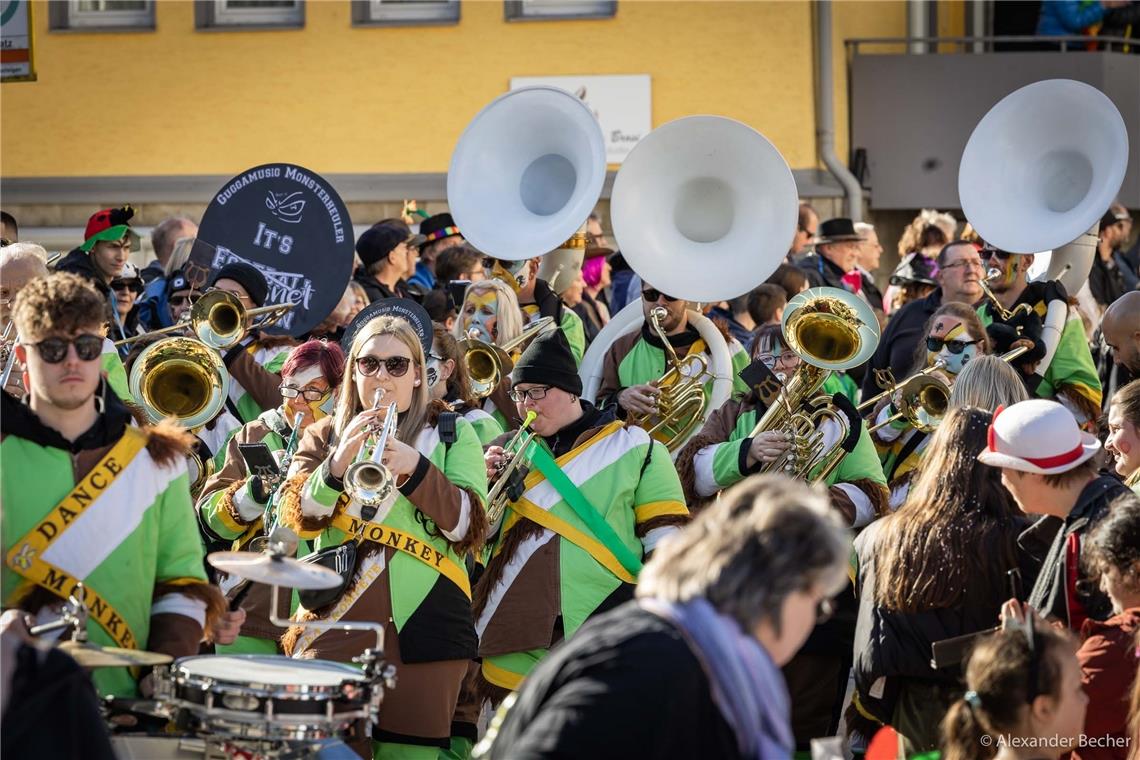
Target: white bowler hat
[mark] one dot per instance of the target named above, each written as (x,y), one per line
(1037,436)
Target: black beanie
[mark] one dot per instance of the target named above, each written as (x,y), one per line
(548,361)
(248,276)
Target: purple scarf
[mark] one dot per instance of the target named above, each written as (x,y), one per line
(747,686)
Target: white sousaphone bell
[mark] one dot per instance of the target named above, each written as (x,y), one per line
(1039,171)
(704,208)
(526,172)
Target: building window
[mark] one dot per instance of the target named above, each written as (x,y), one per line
(246,14)
(109,15)
(517,10)
(404,12)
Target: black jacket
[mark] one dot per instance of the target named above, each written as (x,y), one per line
(79,262)
(900,340)
(1106,283)
(376,290)
(1046,542)
(626,685)
(820,271)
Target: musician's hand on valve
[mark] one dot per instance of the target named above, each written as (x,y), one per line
(639,399)
(768,446)
(494,458)
(399,457)
(355,434)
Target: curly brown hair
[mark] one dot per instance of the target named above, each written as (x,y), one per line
(59,303)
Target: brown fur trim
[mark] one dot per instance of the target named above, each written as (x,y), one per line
(485,691)
(168,441)
(227,503)
(208,593)
(518,533)
(721,325)
(290,506)
(688,475)
(270,342)
(1083,403)
(434,409)
(476,529)
(662,521)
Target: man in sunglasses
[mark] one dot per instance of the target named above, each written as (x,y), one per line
(537,299)
(1070,375)
(637,359)
(90,497)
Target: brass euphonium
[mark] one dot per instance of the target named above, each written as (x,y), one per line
(829,329)
(367,480)
(179,378)
(681,402)
(507,479)
(219,320)
(488,363)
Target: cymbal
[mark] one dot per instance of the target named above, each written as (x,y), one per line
(94,656)
(275,571)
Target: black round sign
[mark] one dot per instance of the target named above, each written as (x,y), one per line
(288,222)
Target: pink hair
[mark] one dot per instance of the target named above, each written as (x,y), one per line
(317,353)
(592,270)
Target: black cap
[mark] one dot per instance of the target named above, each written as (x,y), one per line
(548,361)
(178,281)
(376,242)
(246,275)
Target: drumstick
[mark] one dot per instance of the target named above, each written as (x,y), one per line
(240,596)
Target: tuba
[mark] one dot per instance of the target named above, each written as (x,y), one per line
(179,378)
(488,363)
(829,329)
(704,208)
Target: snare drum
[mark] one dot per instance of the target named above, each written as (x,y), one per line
(269,697)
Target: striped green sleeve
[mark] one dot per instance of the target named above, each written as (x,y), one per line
(574,332)
(726,463)
(861,464)
(116,373)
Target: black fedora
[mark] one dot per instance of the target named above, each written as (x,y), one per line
(838,230)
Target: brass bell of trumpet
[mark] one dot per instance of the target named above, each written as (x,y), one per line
(488,363)
(923,401)
(219,320)
(367,480)
(180,378)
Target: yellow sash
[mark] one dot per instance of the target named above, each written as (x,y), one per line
(26,555)
(408,544)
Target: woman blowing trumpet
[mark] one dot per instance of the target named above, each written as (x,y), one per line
(410,543)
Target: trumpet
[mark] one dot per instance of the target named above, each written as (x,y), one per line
(488,363)
(923,401)
(219,320)
(367,480)
(508,481)
(992,274)
(681,403)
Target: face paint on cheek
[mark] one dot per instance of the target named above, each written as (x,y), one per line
(432,372)
(322,407)
(955,363)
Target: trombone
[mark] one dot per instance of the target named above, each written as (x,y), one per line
(367,481)
(219,320)
(508,480)
(488,363)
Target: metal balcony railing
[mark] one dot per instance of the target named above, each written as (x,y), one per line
(1069,44)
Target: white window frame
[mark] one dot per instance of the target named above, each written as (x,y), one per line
(213,14)
(68,15)
(386,13)
(549,10)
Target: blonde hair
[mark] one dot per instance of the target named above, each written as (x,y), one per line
(508,324)
(178,256)
(987,383)
(349,404)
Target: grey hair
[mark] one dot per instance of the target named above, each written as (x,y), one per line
(160,236)
(987,382)
(764,539)
(10,254)
(863,228)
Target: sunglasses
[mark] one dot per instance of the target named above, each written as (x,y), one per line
(135,285)
(996,254)
(54,350)
(534,394)
(934,345)
(395,366)
(179,300)
(309,394)
(650,295)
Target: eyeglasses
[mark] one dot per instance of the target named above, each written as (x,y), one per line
(179,300)
(787,357)
(54,350)
(538,393)
(824,609)
(953,346)
(309,394)
(967,263)
(649,295)
(395,366)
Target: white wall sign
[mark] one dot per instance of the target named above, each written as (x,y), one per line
(16,41)
(621,103)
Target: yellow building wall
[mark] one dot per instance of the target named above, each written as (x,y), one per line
(338,98)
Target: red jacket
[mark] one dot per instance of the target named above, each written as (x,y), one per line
(1108,667)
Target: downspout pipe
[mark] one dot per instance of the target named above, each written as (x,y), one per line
(825,114)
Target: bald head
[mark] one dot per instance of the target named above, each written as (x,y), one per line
(1121,329)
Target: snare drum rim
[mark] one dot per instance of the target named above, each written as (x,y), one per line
(183,677)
